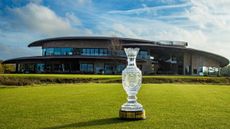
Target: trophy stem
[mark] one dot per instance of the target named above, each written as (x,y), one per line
(132,99)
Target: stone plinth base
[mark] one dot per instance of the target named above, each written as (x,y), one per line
(132,115)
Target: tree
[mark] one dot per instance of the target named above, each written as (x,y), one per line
(116,50)
(9,68)
(116,45)
(1,68)
(225,71)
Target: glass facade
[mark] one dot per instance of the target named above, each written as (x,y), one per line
(204,71)
(57,51)
(143,55)
(87,68)
(108,69)
(120,68)
(76,51)
(40,68)
(105,68)
(94,52)
(89,52)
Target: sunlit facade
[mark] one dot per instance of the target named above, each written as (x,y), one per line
(105,55)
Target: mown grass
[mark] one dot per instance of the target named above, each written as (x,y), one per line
(91,105)
(29,79)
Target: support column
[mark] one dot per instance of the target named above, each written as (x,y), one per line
(16,70)
(35,69)
(191,68)
(63,67)
(185,63)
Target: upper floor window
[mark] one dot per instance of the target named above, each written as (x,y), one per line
(143,55)
(75,51)
(57,51)
(89,52)
(94,52)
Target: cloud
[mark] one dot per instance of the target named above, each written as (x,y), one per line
(149,10)
(73,19)
(73,5)
(39,18)
(31,22)
(212,14)
(204,25)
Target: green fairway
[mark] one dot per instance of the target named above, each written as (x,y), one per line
(90,105)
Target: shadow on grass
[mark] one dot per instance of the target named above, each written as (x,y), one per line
(105,121)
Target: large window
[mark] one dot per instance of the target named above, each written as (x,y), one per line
(57,51)
(75,51)
(40,68)
(143,55)
(109,69)
(120,68)
(87,68)
(94,52)
(67,51)
(49,51)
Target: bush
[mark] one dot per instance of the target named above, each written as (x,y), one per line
(1,68)
(225,71)
(9,68)
(29,80)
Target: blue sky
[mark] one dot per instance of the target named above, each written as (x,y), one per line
(204,24)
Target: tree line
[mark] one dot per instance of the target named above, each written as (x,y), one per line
(6,68)
(225,71)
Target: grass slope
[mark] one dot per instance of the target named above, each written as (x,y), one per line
(90,105)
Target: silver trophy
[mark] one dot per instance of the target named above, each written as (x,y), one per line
(131,81)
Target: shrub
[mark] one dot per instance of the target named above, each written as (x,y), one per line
(29,80)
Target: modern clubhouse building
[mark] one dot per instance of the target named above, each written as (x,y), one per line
(105,55)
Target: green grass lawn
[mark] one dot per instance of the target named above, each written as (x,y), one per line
(90,105)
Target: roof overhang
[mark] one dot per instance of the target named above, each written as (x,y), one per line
(75,38)
(40,43)
(42,59)
(222,60)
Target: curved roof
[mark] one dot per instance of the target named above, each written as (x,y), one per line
(175,45)
(126,40)
(54,58)
(222,60)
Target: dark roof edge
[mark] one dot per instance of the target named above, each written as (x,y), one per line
(40,58)
(40,42)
